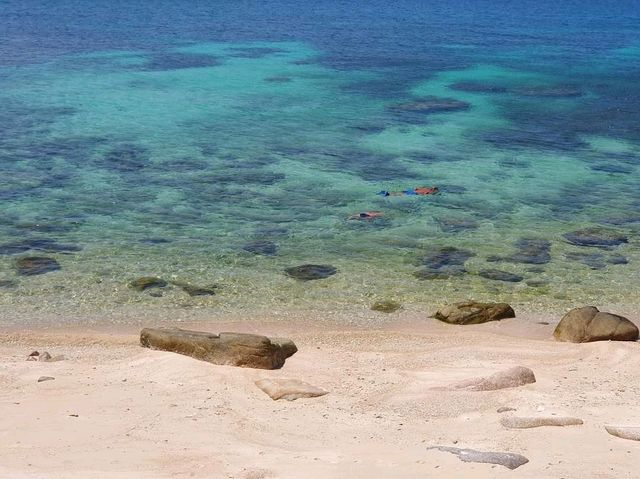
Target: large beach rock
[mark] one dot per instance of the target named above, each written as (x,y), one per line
(508,378)
(506,459)
(583,325)
(472,312)
(289,389)
(232,349)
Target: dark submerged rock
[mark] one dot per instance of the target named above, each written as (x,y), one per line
(514,162)
(595,237)
(45,245)
(271,232)
(443,262)
(369,128)
(167,61)
(261,247)
(253,52)
(498,275)
(592,260)
(125,158)
(193,290)
(456,225)
(532,251)
(612,168)
(146,282)
(617,259)
(244,176)
(428,105)
(620,220)
(550,91)
(446,256)
(476,87)
(441,273)
(278,79)
(529,251)
(533,136)
(13,248)
(453,189)
(7,283)
(309,272)
(34,265)
(154,241)
(386,306)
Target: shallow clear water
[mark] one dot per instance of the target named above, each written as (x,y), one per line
(165,139)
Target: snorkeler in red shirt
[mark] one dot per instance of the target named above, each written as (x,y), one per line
(419,191)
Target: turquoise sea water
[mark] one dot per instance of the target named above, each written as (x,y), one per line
(224,156)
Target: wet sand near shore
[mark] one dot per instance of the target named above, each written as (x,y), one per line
(117,410)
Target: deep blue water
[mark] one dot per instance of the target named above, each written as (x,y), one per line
(167,138)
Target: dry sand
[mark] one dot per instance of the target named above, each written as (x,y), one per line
(116,410)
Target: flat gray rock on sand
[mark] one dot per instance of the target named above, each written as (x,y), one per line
(509,378)
(472,312)
(631,433)
(583,325)
(289,389)
(231,349)
(516,422)
(506,459)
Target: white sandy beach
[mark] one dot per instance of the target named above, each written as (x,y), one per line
(117,410)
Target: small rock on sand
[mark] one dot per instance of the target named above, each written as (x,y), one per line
(515,422)
(509,378)
(473,312)
(631,433)
(289,389)
(505,409)
(506,459)
(45,378)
